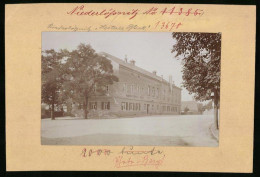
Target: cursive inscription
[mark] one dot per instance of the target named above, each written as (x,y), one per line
(121,161)
(133,13)
(106,13)
(131,151)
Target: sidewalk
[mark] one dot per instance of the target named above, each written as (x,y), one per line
(214,131)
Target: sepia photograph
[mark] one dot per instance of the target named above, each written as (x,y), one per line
(130,88)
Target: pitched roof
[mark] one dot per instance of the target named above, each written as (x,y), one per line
(135,68)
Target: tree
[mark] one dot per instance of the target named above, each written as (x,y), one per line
(200,54)
(87,74)
(51,78)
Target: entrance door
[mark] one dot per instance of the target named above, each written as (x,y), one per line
(148,108)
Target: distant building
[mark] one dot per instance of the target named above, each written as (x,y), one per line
(192,107)
(138,92)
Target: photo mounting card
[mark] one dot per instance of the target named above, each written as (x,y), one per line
(130,87)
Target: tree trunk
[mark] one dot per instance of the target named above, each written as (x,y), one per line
(216,116)
(52,111)
(216,110)
(52,106)
(86,107)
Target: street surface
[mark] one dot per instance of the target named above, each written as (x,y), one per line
(157,130)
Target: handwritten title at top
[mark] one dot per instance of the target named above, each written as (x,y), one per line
(131,14)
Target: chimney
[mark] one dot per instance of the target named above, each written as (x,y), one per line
(132,62)
(154,72)
(126,58)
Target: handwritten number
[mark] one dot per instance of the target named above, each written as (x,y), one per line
(167,25)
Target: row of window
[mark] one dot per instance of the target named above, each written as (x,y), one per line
(130,106)
(151,91)
(126,106)
(104,105)
(106,88)
(169,108)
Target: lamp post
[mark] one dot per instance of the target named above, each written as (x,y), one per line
(213,97)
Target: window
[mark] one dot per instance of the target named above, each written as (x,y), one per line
(130,106)
(123,106)
(126,105)
(145,107)
(137,106)
(138,89)
(124,87)
(93,105)
(107,88)
(148,90)
(153,91)
(105,105)
(132,89)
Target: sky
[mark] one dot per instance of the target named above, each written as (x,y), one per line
(150,50)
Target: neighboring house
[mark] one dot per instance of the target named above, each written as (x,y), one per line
(138,92)
(192,107)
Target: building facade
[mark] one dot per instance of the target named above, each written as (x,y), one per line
(138,92)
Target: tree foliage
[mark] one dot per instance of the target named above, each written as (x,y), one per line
(51,78)
(200,54)
(87,74)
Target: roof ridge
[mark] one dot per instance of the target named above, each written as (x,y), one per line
(134,67)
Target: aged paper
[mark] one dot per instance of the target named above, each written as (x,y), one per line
(24,26)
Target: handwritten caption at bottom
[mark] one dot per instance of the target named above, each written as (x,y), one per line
(129,156)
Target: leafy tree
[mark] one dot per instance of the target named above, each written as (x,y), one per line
(51,78)
(200,54)
(87,74)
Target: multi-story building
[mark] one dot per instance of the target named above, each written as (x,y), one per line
(138,92)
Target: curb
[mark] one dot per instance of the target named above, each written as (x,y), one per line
(213,132)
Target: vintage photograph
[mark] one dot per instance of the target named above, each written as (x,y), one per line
(130,88)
